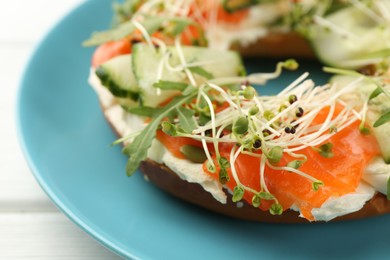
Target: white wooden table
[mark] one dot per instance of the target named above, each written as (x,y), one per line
(31,227)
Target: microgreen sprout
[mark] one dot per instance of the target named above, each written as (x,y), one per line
(292,99)
(224,162)
(240,126)
(317,185)
(211,167)
(223,176)
(325,150)
(256,144)
(275,154)
(253,111)
(295,164)
(364,129)
(268,115)
(333,129)
(238,193)
(266,195)
(249,92)
(299,112)
(169,128)
(256,201)
(291,64)
(276,209)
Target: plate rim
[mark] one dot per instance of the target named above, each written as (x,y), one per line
(20,131)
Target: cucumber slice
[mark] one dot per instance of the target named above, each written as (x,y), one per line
(346,37)
(117,76)
(148,68)
(382,134)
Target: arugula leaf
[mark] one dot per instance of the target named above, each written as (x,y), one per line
(151,25)
(170,85)
(116,34)
(186,119)
(201,71)
(143,111)
(382,119)
(124,11)
(180,24)
(138,149)
(376,93)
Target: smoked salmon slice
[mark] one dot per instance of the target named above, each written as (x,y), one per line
(340,174)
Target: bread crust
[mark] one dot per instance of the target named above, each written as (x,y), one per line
(278,45)
(164,178)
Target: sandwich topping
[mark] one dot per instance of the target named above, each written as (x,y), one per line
(303,148)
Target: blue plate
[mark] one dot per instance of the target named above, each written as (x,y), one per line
(66,141)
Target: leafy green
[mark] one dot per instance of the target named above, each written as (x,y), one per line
(193,153)
(266,195)
(238,193)
(124,11)
(376,93)
(144,111)
(169,128)
(224,162)
(295,164)
(275,154)
(223,176)
(256,201)
(170,85)
(382,119)
(151,25)
(240,126)
(325,150)
(186,119)
(138,149)
(201,72)
(179,25)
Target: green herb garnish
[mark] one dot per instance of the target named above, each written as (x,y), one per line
(138,149)
(201,72)
(170,85)
(276,209)
(238,193)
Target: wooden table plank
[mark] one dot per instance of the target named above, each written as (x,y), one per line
(46,236)
(30,225)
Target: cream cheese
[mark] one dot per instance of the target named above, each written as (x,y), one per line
(336,207)
(377,174)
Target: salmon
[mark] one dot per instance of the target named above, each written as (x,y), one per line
(199,12)
(340,174)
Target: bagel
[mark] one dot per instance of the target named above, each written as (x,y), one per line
(369,194)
